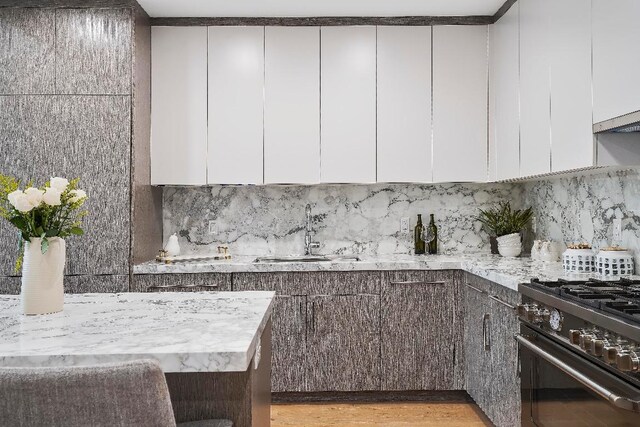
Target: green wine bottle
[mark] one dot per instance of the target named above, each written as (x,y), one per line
(433,231)
(417,237)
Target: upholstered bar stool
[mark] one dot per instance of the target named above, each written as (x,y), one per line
(126,394)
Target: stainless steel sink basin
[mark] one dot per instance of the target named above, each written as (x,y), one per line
(307,258)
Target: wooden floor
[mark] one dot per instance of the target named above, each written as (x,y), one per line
(392,414)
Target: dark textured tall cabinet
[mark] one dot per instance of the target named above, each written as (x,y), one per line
(77,106)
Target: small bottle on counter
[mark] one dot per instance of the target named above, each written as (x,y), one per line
(417,237)
(433,231)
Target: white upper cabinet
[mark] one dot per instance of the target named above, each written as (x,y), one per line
(292,105)
(236,105)
(460,94)
(505,99)
(572,143)
(348,104)
(178,106)
(535,90)
(404,104)
(616,62)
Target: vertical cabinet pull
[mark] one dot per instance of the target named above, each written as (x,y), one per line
(313,316)
(486,337)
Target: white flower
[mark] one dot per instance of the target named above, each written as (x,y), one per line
(52,197)
(22,203)
(59,184)
(13,197)
(77,195)
(34,196)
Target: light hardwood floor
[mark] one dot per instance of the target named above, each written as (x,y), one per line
(392,414)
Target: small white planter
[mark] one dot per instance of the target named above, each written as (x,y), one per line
(42,277)
(510,245)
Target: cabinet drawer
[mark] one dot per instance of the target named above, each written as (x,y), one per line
(194,282)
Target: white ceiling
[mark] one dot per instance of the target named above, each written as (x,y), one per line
(247,8)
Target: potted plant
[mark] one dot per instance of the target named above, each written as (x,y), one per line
(504,225)
(44,216)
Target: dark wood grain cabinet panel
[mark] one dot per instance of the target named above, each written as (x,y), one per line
(27,51)
(491,351)
(343,343)
(289,343)
(418,330)
(187,282)
(504,408)
(93,51)
(477,347)
(74,136)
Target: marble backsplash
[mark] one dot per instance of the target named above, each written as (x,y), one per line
(582,208)
(348,219)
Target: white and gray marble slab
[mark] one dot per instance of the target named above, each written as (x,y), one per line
(184,332)
(507,272)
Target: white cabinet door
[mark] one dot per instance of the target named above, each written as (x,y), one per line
(348,104)
(292,105)
(178,105)
(404,104)
(236,105)
(460,94)
(504,88)
(616,62)
(535,91)
(572,144)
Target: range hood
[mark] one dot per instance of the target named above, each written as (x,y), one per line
(622,124)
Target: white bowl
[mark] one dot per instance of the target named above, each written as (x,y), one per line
(509,251)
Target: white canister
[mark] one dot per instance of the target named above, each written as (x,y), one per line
(43,277)
(579,261)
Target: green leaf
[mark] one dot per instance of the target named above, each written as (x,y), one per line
(44,246)
(40,231)
(76,230)
(19,222)
(25,236)
(52,233)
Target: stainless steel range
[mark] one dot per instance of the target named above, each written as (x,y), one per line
(579,347)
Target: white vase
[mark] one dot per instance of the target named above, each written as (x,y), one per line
(42,277)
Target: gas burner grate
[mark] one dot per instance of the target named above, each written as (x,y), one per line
(626,309)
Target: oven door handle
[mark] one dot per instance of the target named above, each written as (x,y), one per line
(599,389)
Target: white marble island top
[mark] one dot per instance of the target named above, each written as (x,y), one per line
(184,331)
(508,272)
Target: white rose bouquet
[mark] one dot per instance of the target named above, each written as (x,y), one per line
(52,210)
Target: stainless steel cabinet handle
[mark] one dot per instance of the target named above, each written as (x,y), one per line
(506,304)
(158,287)
(486,338)
(313,316)
(599,389)
(419,282)
(475,289)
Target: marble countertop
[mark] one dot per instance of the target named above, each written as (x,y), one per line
(207,332)
(507,272)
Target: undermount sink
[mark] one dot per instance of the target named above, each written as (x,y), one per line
(307,258)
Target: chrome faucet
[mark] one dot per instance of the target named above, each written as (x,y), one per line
(309,245)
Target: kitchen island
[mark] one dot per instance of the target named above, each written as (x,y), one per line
(214,347)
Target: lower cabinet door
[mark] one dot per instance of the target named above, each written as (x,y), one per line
(478,347)
(343,343)
(288,343)
(504,409)
(418,348)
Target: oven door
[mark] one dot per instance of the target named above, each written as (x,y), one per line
(562,388)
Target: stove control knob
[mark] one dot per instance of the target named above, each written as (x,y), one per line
(585,342)
(543,316)
(597,347)
(627,361)
(574,336)
(610,354)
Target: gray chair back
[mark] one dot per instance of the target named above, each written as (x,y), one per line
(127,394)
